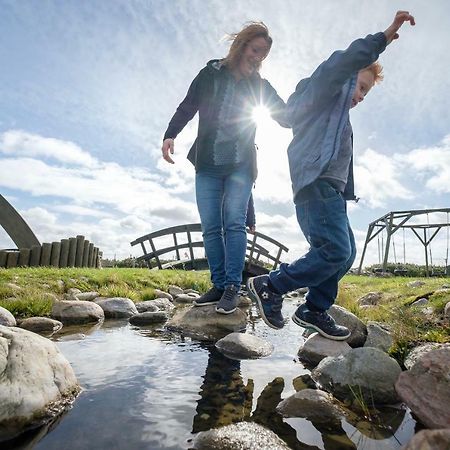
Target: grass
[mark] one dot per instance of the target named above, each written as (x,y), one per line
(409,324)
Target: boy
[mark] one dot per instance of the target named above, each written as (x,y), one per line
(321,168)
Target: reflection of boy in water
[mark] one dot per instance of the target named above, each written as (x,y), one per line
(224,396)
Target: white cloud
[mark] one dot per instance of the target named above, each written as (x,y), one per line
(19,143)
(377,179)
(431,164)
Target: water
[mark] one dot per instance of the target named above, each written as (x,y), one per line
(145,388)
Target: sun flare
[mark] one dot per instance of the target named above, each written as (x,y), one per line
(260,114)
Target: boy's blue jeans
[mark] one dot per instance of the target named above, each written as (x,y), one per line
(322,215)
(222,203)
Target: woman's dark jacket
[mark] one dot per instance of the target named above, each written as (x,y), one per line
(206,94)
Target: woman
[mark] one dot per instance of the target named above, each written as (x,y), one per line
(225,92)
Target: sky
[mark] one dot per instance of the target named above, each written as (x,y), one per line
(87,89)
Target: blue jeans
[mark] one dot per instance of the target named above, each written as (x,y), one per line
(222,203)
(322,216)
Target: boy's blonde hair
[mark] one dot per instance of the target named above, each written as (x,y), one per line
(240,40)
(377,70)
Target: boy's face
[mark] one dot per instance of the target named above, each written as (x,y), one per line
(364,83)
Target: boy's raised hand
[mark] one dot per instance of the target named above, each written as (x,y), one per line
(400,18)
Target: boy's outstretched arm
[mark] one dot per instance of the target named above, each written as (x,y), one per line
(400,18)
(330,76)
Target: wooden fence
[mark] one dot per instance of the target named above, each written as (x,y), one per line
(72,252)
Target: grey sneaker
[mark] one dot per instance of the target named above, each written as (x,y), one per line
(269,303)
(228,302)
(209,298)
(321,322)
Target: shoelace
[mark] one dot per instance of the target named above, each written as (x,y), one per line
(229,295)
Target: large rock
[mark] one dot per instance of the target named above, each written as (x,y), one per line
(147,306)
(349,320)
(363,373)
(239,436)
(418,352)
(77,311)
(426,388)
(163,304)
(316,348)
(162,294)
(117,307)
(6,318)
(378,336)
(244,346)
(41,325)
(36,380)
(430,440)
(312,404)
(205,323)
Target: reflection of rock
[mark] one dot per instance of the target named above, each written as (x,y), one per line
(239,436)
(426,388)
(244,346)
(149,317)
(430,440)
(76,332)
(36,383)
(224,398)
(312,404)
(205,323)
(366,373)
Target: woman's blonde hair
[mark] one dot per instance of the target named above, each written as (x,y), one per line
(240,40)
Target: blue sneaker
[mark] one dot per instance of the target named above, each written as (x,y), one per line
(321,322)
(209,298)
(228,301)
(269,303)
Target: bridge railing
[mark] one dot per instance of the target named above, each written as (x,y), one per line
(256,246)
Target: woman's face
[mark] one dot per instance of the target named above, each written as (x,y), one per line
(255,51)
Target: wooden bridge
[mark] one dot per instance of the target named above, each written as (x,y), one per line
(259,259)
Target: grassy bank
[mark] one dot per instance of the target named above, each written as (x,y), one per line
(36,288)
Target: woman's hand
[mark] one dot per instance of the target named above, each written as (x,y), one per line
(400,18)
(168,147)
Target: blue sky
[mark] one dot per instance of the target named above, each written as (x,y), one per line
(87,89)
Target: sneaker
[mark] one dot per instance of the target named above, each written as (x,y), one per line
(228,301)
(321,322)
(209,298)
(269,303)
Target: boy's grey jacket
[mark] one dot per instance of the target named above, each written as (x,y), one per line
(319,109)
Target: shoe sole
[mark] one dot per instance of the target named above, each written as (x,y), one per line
(222,311)
(310,326)
(254,296)
(206,303)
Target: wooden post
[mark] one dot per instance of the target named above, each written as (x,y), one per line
(56,254)
(72,252)
(64,253)
(12,259)
(91,255)
(3,257)
(24,257)
(95,257)
(79,253)
(84,263)
(35,256)
(45,254)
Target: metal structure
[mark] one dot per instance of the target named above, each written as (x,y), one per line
(253,264)
(395,220)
